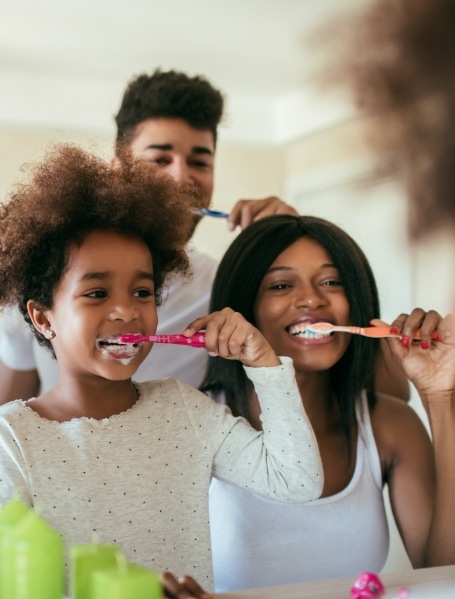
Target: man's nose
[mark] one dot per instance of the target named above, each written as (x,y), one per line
(180,172)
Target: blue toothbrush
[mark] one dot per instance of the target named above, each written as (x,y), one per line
(209,212)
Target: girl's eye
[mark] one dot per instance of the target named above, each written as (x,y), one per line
(97,294)
(143,293)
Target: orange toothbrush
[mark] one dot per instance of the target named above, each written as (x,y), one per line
(326,328)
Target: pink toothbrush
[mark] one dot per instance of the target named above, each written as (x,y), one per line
(327,328)
(197,340)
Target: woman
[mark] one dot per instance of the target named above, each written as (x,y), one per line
(283,274)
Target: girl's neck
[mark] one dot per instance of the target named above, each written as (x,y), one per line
(98,399)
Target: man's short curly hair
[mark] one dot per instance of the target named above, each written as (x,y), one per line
(168,94)
(72,193)
(401,67)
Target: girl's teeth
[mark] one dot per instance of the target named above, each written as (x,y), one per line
(112,348)
(119,349)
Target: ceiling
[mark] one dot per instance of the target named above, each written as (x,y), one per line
(65,64)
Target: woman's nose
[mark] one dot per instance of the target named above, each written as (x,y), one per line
(310,297)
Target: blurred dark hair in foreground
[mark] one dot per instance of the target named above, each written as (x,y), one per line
(398,59)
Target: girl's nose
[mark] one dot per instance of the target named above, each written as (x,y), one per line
(123,310)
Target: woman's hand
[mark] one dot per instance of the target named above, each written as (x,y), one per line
(429,363)
(229,335)
(184,587)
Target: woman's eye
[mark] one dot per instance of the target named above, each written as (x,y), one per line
(332,283)
(279,286)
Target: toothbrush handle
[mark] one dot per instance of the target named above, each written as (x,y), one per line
(214,213)
(385,332)
(197,340)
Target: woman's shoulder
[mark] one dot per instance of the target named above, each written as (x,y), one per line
(386,402)
(392,413)
(396,425)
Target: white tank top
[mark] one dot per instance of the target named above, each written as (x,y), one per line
(257,542)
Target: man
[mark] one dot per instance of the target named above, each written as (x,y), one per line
(170,120)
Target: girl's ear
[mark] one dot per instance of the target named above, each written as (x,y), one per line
(38,317)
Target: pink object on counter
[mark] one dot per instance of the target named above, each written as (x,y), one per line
(367,586)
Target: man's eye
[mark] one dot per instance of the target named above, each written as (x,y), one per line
(200,164)
(160,161)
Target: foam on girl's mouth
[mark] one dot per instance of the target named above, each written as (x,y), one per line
(304,331)
(112,348)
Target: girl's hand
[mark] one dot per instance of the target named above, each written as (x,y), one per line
(229,335)
(428,363)
(184,587)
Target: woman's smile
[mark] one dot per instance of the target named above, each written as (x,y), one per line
(301,287)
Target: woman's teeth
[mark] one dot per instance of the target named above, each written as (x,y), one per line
(304,332)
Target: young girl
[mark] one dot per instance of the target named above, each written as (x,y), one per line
(84,253)
(294,271)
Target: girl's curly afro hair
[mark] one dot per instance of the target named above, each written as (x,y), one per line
(72,193)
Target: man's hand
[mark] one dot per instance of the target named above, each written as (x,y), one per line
(246,212)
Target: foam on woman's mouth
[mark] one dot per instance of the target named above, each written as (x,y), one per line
(112,348)
(303,331)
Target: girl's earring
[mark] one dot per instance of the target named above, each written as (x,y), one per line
(49,334)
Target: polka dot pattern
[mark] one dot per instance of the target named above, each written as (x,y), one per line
(141,478)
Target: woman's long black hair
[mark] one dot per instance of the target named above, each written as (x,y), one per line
(236,285)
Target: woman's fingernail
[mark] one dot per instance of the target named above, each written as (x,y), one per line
(438,338)
(394,330)
(405,341)
(212,353)
(424,345)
